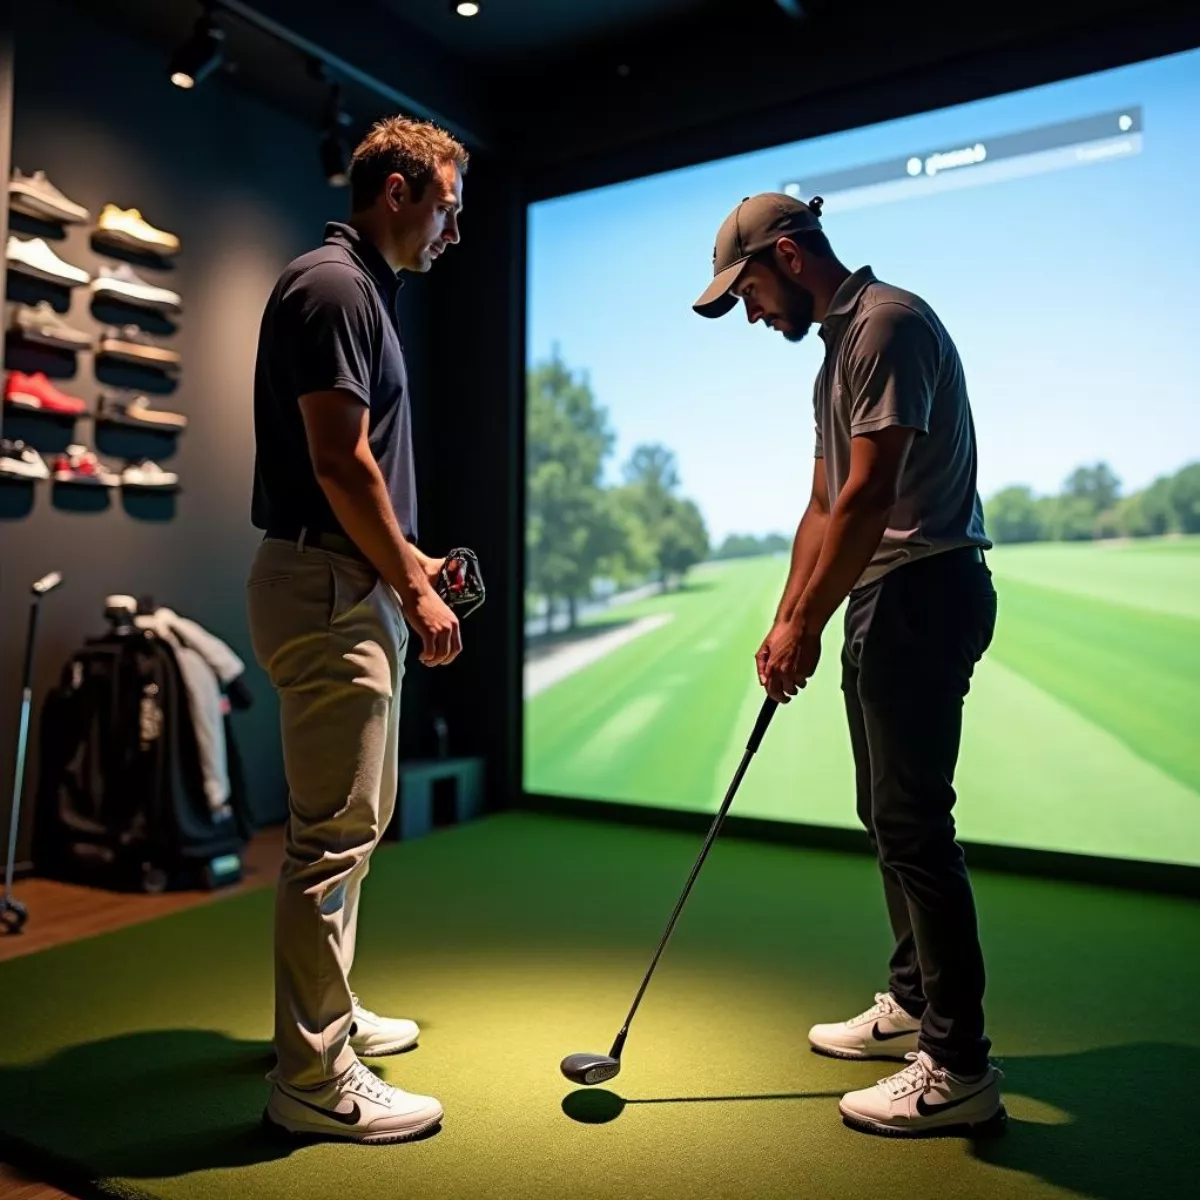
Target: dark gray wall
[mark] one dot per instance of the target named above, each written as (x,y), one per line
(239,183)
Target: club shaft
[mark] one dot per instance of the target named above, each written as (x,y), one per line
(14,822)
(714,829)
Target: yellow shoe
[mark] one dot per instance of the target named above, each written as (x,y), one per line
(127,227)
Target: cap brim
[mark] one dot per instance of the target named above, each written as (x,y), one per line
(717,301)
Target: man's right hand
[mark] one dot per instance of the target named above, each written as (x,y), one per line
(437,626)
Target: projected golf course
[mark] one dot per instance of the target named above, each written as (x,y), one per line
(1082,731)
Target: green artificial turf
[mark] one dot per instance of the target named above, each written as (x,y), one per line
(1081,732)
(137,1058)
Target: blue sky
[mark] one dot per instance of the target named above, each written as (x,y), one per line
(1071,296)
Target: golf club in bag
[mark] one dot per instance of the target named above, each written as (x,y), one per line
(13,914)
(597,1068)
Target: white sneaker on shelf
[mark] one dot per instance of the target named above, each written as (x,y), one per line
(357,1107)
(147,474)
(125,283)
(34,257)
(36,196)
(885,1030)
(21,461)
(372,1036)
(924,1099)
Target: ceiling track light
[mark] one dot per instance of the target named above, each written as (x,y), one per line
(334,153)
(200,55)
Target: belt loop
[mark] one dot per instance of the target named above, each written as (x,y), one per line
(302,538)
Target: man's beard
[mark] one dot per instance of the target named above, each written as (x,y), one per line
(797,303)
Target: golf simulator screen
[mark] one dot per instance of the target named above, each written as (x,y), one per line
(1055,233)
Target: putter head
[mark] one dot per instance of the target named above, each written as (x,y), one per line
(13,916)
(590,1068)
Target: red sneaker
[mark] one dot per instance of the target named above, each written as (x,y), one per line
(80,465)
(36,391)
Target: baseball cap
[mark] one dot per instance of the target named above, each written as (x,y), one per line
(755,225)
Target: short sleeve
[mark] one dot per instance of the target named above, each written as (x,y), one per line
(891,370)
(330,321)
(818,436)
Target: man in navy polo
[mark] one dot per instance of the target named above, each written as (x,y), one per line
(335,584)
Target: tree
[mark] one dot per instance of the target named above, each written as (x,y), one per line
(1097,486)
(1013,515)
(683,538)
(746,545)
(1182,495)
(1067,518)
(570,526)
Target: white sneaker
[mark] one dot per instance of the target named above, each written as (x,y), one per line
(147,474)
(357,1107)
(925,1099)
(372,1036)
(34,257)
(885,1030)
(36,196)
(123,281)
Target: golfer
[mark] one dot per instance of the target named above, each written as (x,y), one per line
(894,523)
(333,584)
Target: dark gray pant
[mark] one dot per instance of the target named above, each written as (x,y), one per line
(912,641)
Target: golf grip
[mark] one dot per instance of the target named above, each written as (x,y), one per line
(760,728)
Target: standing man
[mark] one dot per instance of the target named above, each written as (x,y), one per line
(334,581)
(895,523)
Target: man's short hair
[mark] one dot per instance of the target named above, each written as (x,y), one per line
(414,149)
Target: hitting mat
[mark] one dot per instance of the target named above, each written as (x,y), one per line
(135,1060)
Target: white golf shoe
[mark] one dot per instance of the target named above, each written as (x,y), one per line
(924,1100)
(356,1107)
(372,1036)
(885,1030)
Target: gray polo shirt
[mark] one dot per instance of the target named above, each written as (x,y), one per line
(890,361)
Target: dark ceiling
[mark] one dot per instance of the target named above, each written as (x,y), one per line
(507,32)
(550,81)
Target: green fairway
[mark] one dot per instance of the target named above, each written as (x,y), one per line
(136,1060)
(1082,730)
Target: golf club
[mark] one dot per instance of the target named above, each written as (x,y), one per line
(597,1068)
(13,913)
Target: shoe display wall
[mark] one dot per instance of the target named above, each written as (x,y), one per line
(37,325)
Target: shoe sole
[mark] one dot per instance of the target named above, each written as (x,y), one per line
(118,237)
(21,473)
(384,1051)
(32,205)
(22,268)
(159,305)
(40,338)
(993,1126)
(858,1055)
(141,354)
(274,1129)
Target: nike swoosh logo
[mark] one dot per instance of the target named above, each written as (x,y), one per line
(344,1118)
(927,1110)
(887,1037)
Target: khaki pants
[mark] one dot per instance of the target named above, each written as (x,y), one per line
(330,634)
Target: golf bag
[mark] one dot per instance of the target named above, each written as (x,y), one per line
(121,796)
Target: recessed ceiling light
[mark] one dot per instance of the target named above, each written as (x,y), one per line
(465,8)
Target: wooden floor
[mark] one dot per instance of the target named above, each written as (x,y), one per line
(66,912)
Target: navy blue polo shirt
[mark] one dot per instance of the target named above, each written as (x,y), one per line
(331,322)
